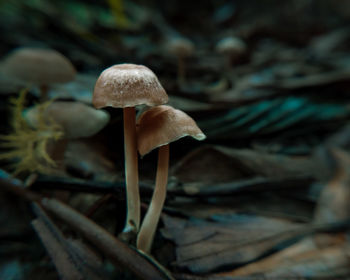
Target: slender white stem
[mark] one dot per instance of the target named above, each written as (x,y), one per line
(131,171)
(150,222)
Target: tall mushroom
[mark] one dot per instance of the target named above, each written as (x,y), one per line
(39,67)
(157,128)
(126,86)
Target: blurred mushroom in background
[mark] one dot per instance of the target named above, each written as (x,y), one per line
(181,48)
(39,67)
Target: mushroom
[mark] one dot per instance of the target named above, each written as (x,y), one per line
(232,48)
(126,86)
(157,128)
(72,118)
(40,67)
(181,48)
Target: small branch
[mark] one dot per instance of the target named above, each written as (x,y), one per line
(114,249)
(69,263)
(65,267)
(118,252)
(78,185)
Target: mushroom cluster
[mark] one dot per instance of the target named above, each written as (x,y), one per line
(41,133)
(126,86)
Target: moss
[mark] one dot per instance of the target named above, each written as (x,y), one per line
(26,147)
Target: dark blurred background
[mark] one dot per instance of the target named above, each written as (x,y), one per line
(268,82)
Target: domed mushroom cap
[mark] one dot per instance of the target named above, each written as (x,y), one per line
(162,125)
(231,45)
(128,85)
(77,119)
(180,47)
(39,66)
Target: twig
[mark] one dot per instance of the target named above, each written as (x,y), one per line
(65,267)
(78,185)
(68,261)
(118,252)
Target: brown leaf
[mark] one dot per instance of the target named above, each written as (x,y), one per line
(218,164)
(333,203)
(204,246)
(269,263)
(328,262)
(288,257)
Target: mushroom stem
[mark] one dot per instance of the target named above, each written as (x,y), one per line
(131,171)
(150,222)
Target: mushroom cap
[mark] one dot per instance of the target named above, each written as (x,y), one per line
(77,119)
(231,45)
(128,85)
(180,47)
(162,125)
(39,66)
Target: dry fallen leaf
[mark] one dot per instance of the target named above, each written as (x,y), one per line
(218,164)
(322,255)
(203,246)
(333,203)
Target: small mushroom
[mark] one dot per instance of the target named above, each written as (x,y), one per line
(40,67)
(181,48)
(77,120)
(126,86)
(157,128)
(232,48)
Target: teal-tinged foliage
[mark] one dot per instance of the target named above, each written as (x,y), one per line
(271,116)
(11,270)
(86,15)
(287,107)
(82,15)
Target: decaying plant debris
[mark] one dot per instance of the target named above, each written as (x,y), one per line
(264,196)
